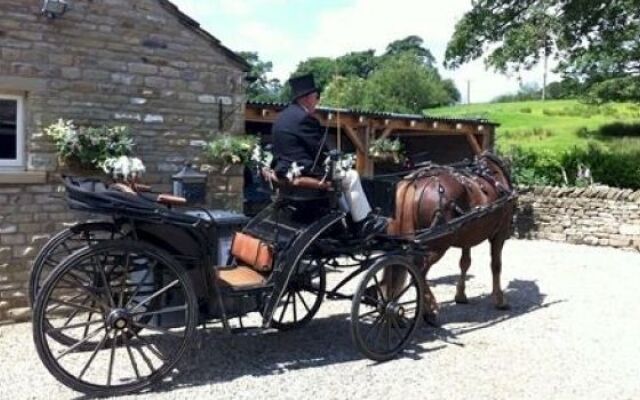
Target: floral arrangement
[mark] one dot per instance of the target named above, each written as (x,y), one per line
(386,149)
(124,168)
(89,147)
(231,149)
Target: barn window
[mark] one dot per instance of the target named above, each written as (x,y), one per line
(11,131)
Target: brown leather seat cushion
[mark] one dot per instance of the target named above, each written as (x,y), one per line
(252,252)
(240,276)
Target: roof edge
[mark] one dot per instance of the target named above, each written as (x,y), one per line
(196,28)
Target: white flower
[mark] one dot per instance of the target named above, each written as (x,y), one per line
(295,171)
(124,167)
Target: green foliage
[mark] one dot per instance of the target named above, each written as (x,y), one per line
(400,84)
(594,40)
(231,149)
(618,168)
(612,167)
(262,88)
(386,149)
(530,167)
(413,45)
(616,89)
(89,147)
(403,79)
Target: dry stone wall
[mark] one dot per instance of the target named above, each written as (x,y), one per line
(599,216)
(118,62)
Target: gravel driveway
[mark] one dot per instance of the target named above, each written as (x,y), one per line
(573,332)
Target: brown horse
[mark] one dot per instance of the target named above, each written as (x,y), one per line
(435,196)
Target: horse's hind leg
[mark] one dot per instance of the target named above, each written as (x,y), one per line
(465,263)
(496,269)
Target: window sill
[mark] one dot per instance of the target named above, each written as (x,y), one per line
(22,177)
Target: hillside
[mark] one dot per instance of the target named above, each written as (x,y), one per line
(555,125)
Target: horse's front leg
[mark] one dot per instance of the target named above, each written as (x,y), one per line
(496,269)
(465,263)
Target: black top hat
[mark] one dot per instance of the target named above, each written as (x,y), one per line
(302,86)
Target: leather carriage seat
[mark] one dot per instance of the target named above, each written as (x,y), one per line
(304,182)
(135,189)
(254,260)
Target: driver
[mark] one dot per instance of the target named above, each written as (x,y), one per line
(298,138)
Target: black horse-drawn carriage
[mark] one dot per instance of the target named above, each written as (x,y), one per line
(117,302)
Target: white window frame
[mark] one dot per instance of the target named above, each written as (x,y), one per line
(20,134)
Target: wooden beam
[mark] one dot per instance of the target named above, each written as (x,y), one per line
(353,135)
(386,132)
(474,144)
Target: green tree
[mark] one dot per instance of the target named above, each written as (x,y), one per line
(357,63)
(592,39)
(261,88)
(405,85)
(322,68)
(411,44)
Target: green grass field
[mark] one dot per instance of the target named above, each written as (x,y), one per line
(554,125)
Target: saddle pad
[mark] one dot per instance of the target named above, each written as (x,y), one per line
(239,277)
(252,252)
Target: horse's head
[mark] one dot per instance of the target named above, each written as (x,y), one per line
(497,166)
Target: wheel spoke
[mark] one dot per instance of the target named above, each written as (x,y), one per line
(93,355)
(141,284)
(123,283)
(150,346)
(131,357)
(379,288)
(80,343)
(156,294)
(373,326)
(79,325)
(107,287)
(295,310)
(114,341)
(73,305)
(163,311)
(396,333)
(304,303)
(284,309)
(397,297)
(144,356)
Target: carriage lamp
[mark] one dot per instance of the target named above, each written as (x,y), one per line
(54,8)
(190,184)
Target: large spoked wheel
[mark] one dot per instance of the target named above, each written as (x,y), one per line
(118,302)
(387,308)
(303,297)
(63,244)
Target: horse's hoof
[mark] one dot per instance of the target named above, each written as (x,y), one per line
(461,299)
(431,320)
(503,307)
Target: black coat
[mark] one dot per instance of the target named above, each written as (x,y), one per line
(297,136)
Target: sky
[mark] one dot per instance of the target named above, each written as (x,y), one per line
(287,32)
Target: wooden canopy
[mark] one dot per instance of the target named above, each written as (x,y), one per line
(362,127)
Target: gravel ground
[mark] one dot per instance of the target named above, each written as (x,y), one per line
(572,333)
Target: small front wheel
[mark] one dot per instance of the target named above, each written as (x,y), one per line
(387,308)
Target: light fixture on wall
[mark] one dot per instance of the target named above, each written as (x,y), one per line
(54,8)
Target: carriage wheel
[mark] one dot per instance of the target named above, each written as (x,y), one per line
(385,317)
(303,297)
(63,244)
(112,298)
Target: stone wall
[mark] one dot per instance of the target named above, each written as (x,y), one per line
(600,216)
(137,63)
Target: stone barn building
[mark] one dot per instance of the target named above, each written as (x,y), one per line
(139,63)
